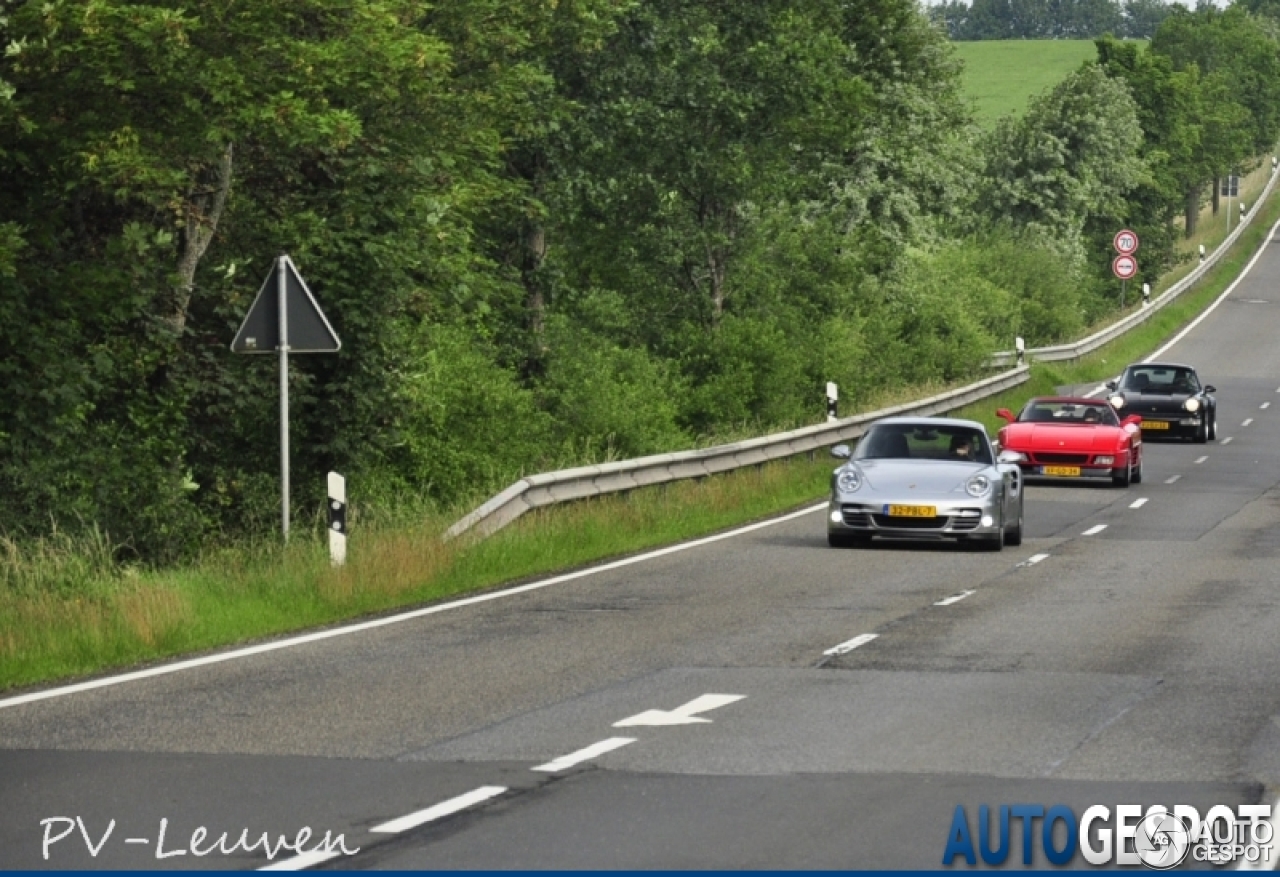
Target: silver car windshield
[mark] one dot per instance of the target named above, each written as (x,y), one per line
(910,441)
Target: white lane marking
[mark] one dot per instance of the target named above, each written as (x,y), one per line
(1033,559)
(304,639)
(1138,503)
(955,599)
(306,860)
(584,754)
(1200,460)
(1094,530)
(850,645)
(439,811)
(1265,405)
(1226,441)
(1207,311)
(681,715)
(1171,479)
(1267,862)
(1247,421)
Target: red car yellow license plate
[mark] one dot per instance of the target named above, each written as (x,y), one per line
(1066,471)
(1155,424)
(911,511)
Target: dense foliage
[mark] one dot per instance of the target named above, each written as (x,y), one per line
(1049,19)
(546,232)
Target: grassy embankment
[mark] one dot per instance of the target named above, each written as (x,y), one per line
(67,610)
(1001,76)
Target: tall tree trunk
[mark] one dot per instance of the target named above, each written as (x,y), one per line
(535,250)
(715,276)
(1217,193)
(1193,210)
(202,223)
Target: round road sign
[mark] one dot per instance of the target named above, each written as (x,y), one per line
(1124,266)
(1126,242)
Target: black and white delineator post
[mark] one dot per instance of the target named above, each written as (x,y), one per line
(1202,252)
(1146,294)
(285,320)
(337,519)
(833,398)
(1020,348)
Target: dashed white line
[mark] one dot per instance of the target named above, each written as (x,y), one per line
(850,645)
(954,599)
(1171,479)
(1200,460)
(306,860)
(1033,560)
(1247,421)
(1138,503)
(1094,530)
(581,755)
(439,811)
(1265,405)
(1226,441)
(318,636)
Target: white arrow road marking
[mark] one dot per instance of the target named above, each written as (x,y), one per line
(1247,421)
(681,715)
(850,645)
(1138,503)
(299,863)
(1172,479)
(955,599)
(1094,530)
(1200,460)
(1033,560)
(584,754)
(439,811)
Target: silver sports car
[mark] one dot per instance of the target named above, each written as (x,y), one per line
(926,478)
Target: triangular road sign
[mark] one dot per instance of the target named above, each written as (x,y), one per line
(308,330)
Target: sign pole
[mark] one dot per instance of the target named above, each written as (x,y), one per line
(281,290)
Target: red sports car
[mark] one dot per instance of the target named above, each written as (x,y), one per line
(1064,437)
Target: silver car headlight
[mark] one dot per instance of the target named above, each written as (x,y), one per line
(1191,404)
(978,485)
(1117,401)
(849,480)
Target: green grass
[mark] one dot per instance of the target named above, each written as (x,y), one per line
(1001,76)
(66,610)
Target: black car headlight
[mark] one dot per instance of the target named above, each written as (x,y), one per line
(1192,404)
(1117,401)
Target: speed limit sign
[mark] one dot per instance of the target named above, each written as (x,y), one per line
(1126,242)
(1124,266)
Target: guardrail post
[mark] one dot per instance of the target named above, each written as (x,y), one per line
(337,519)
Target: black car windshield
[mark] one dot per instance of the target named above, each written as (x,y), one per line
(915,441)
(1160,379)
(1068,413)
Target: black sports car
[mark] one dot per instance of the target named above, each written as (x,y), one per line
(1170,398)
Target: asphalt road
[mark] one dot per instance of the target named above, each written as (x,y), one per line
(1127,653)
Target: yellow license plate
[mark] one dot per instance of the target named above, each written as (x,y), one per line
(1155,424)
(911,511)
(1067,471)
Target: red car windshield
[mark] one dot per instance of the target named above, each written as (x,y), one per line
(1068,413)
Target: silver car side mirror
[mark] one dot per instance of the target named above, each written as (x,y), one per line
(1011,457)
(841,452)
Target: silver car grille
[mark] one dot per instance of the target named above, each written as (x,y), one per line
(869,518)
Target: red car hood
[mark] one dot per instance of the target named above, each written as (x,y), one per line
(1057,437)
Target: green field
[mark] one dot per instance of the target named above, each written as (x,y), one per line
(1000,76)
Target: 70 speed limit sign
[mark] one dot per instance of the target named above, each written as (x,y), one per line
(1126,242)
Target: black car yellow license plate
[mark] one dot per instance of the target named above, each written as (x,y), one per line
(1155,424)
(911,511)
(1063,471)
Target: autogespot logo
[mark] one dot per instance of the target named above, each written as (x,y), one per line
(1158,838)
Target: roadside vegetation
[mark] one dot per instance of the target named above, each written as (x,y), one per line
(1002,76)
(568,233)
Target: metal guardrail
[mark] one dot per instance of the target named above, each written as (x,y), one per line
(548,488)
(1070,352)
